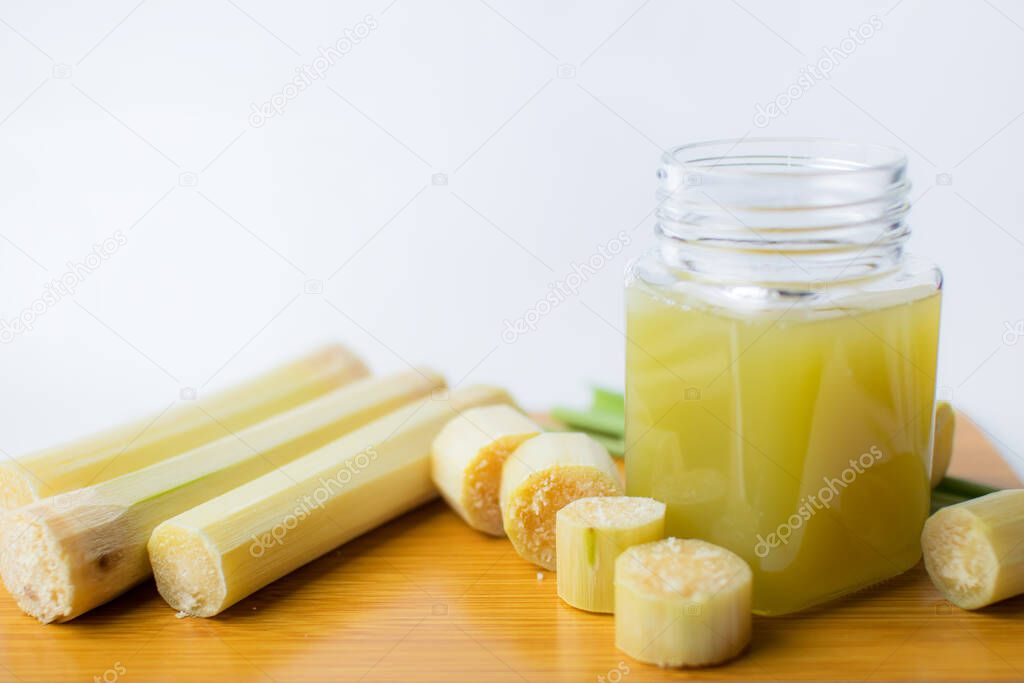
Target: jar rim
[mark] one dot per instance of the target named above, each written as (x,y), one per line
(746,207)
(814,157)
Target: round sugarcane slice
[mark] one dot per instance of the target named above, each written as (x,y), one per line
(590,533)
(540,478)
(682,603)
(467,459)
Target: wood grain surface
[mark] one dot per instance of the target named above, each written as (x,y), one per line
(427,599)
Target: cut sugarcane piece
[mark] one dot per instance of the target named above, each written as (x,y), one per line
(590,533)
(615,446)
(467,458)
(682,603)
(973,550)
(540,478)
(64,555)
(212,556)
(942,448)
(131,447)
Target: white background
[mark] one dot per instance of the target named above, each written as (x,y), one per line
(105,105)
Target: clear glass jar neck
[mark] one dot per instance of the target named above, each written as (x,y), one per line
(782,212)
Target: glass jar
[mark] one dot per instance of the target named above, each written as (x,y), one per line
(781,363)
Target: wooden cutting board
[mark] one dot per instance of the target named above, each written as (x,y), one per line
(427,599)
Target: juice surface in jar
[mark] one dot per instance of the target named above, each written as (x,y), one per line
(780,370)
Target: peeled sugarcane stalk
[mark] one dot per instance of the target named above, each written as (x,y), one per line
(541,477)
(682,603)
(590,533)
(212,556)
(467,458)
(131,447)
(974,551)
(64,555)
